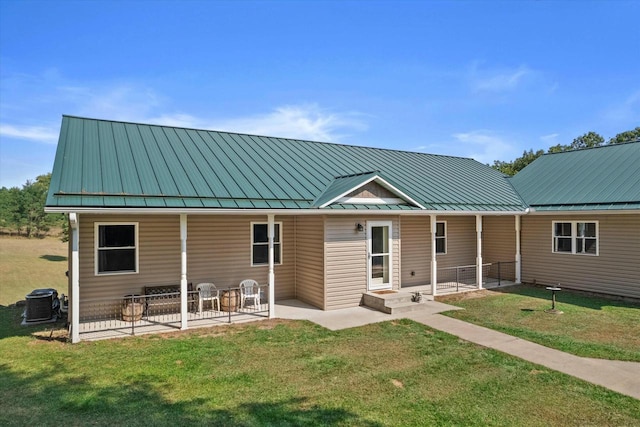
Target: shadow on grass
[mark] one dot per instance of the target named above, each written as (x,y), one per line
(55,393)
(567,296)
(54,258)
(10,326)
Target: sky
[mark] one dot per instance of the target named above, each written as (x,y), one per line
(480,79)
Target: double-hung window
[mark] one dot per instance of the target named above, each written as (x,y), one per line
(441,237)
(260,243)
(575,237)
(116,248)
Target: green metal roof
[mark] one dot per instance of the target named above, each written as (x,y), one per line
(602,178)
(102,163)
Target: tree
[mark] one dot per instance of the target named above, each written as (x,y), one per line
(23,209)
(588,140)
(627,136)
(515,166)
(11,209)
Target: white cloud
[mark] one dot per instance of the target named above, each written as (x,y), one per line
(485,146)
(129,101)
(549,138)
(498,80)
(627,111)
(307,121)
(31,133)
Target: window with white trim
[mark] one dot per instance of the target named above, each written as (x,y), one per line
(116,248)
(575,237)
(260,243)
(441,237)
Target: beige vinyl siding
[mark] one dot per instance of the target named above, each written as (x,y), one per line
(616,270)
(461,241)
(219,251)
(416,250)
(309,235)
(158,252)
(346,260)
(498,239)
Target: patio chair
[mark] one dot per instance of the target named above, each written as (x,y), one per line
(208,292)
(249,289)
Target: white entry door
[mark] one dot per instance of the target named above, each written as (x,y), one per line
(380,264)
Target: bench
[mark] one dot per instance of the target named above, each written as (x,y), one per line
(165,299)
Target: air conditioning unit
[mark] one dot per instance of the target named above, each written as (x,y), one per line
(41,305)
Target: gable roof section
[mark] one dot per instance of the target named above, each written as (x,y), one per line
(602,178)
(109,164)
(341,186)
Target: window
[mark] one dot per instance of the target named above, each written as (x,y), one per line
(260,243)
(116,248)
(575,237)
(441,237)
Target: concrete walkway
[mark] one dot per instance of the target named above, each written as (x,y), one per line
(623,377)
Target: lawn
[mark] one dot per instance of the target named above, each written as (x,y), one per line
(590,326)
(281,373)
(28,264)
(292,373)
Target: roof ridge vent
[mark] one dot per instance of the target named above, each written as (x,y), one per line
(356,174)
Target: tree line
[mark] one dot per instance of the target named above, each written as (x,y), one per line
(588,140)
(22,209)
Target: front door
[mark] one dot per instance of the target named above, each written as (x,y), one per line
(380,259)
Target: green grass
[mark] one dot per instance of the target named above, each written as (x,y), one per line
(590,326)
(292,373)
(28,264)
(281,373)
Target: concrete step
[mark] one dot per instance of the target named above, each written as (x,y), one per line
(405,307)
(397,302)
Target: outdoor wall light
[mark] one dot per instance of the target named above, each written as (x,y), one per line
(359,227)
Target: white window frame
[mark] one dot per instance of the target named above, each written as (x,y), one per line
(97,249)
(574,237)
(279,223)
(441,237)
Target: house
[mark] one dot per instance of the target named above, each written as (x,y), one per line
(324,223)
(583,228)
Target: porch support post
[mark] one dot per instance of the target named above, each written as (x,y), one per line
(518,258)
(75,277)
(479,251)
(184,312)
(272,294)
(434,263)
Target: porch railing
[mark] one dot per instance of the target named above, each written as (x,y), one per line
(450,278)
(133,314)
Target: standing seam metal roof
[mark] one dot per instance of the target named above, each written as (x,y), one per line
(102,163)
(601,178)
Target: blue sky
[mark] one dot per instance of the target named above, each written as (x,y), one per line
(481,79)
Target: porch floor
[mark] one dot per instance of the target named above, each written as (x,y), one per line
(106,329)
(99,330)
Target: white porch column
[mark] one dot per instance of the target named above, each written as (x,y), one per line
(479,251)
(434,263)
(184,311)
(75,277)
(272,294)
(518,258)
